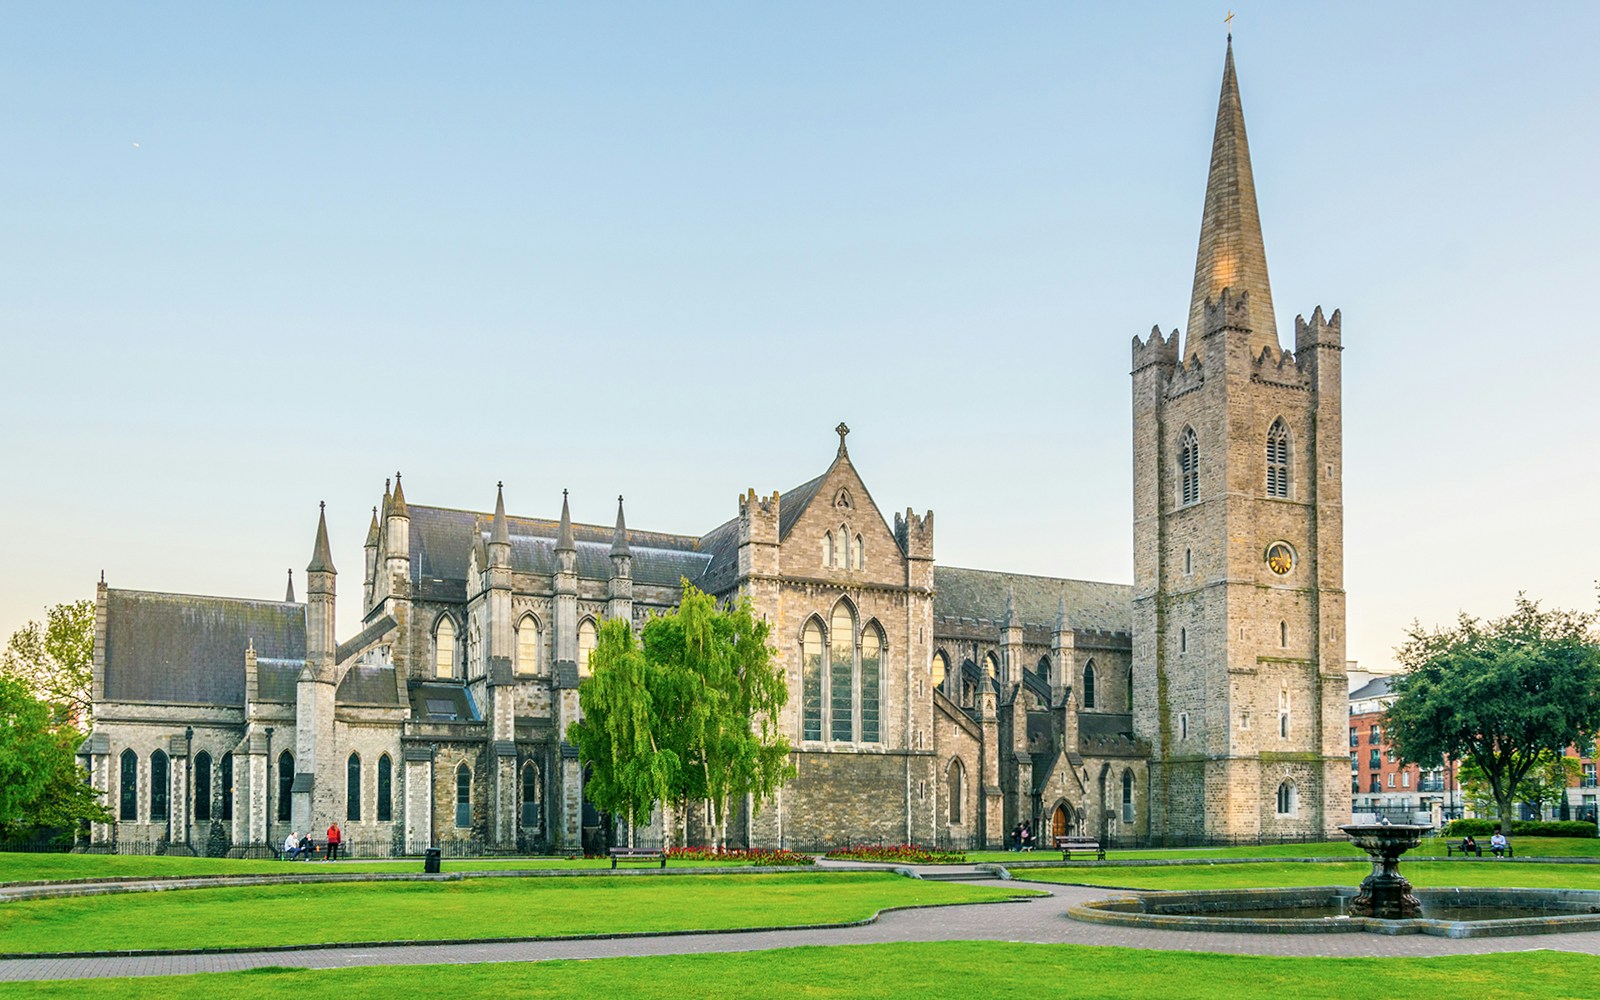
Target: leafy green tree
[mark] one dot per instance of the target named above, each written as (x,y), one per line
(41,783)
(687,713)
(55,659)
(1502,694)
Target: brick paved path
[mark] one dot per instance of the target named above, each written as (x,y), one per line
(1038,920)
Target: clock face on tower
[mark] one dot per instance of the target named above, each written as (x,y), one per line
(1280,558)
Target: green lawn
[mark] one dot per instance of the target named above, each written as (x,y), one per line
(473,908)
(959,970)
(1423,874)
(1528,847)
(41,867)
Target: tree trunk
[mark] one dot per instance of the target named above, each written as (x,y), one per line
(1504,801)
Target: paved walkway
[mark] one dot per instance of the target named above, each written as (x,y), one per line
(1039,920)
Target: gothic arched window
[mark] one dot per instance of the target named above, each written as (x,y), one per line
(285,784)
(811,682)
(859,552)
(444,647)
(991,667)
(1130,689)
(1189,467)
(941,668)
(1044,669)
(1127,796)
(385,789)
(160,786)
(954,780)
(202,786)
(1287,797)
(587,639)
(225,779)
(1278,459)
(463,795)
(1088,685)
(352,788)
(527,645)
(128,787)
(871,682)
(841,672)
(530,796)
(827,550)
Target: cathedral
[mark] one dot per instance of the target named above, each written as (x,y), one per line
(928,704)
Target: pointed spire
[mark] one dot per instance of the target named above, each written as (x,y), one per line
(397,503)
(1061,612)
(619,538)
(321,558)
(500,535)
(1231,253)
(288,595)
(564,542)
(1011,603)
(373,532)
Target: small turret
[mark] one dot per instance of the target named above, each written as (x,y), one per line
(621,583)
(288,595)
(500,534)
(370,551)
(564,541)
(321,557)
(397,503)
(320,576)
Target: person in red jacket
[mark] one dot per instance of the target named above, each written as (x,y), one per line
(333,842)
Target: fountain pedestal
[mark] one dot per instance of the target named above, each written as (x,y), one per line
(1385,893)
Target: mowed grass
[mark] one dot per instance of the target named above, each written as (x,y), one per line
(55,867)
(959,970)
(1526,847)
(473,908)
(1269,874)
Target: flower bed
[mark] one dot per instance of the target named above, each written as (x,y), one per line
(905,854)
(757,856)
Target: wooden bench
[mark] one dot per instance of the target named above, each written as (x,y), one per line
(1080,844)
(637,854)
(1452,848)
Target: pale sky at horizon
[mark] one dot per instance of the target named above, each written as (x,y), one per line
(257,258)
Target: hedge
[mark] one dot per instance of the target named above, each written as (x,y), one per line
(1520,828)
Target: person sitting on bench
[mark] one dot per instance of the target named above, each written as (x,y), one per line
(291,846)
(1470,846)
(1498,844)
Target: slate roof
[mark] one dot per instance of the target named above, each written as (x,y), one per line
(981,593)
(366,684)
(793,503)
(189,650)
(442,539)
(431,702)
(1378,687)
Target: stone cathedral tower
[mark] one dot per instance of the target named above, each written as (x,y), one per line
(1238,617)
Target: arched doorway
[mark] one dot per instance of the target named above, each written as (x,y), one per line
(1062,822)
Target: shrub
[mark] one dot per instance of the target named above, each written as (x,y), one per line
(755,856)
(904,854)
(1521,828)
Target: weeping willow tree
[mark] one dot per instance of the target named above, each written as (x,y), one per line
(685,713)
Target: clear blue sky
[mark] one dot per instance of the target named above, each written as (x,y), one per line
(251,258)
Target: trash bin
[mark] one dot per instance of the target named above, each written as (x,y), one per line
(430,861)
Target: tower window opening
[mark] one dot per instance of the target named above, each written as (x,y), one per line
(1278,459)
(1189,467)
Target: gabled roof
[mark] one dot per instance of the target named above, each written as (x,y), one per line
(1378,687)
(981,594)
(189,650)
(442,538)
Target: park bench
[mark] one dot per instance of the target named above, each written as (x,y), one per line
(637,854)
(1080,844)
(1452,848)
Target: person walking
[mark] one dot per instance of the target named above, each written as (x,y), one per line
(333,842)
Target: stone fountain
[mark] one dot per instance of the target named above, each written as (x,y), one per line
(1385,893)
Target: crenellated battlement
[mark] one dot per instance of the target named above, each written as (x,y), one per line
(758,517)
(914,533)
(1317,331)
(1157,350)
(1187,377)
(1228,311)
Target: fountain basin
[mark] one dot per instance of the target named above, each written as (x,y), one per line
(1454,913)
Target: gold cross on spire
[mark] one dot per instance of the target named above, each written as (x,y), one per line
(1229,22)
